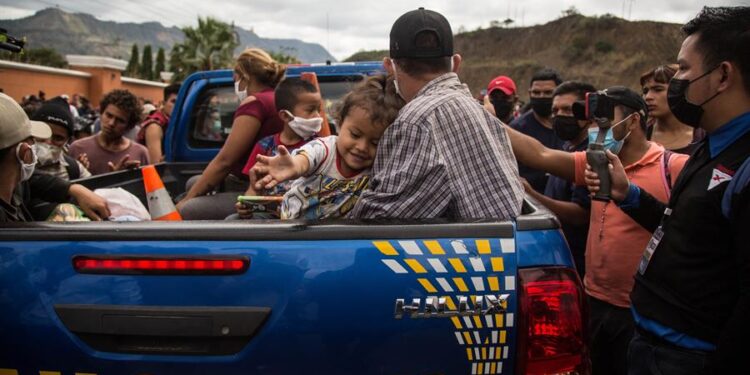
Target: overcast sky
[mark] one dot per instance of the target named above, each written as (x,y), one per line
(345,27)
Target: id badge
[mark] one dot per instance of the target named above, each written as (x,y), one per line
(650,248)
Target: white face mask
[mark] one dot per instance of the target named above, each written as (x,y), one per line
(26,169)
(305,127)
(242,95)
(47,154)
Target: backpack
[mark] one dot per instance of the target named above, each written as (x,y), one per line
(666,172)
(74,171)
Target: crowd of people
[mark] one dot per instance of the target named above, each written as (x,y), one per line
(414,144)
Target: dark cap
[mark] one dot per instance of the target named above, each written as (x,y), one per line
(412,24)
(55,111)
(627,97)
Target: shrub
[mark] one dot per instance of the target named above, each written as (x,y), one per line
(604,47)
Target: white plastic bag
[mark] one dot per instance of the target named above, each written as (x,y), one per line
(123,204)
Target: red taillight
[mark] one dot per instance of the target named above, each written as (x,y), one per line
(153,265)
(552,331)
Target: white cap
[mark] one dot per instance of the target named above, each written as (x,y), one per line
(15,126)
(148,108)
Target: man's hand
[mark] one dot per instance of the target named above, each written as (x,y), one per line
(84,159)
(274,170)
(179,206)
(526,185)
(124,163)
(619,180)
(243,210)
(93,205)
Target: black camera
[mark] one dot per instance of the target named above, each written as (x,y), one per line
(600,109)
(10,43)
(599,106)
(596,106)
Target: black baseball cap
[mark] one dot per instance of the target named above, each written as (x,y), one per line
(55,111)
(629,98)
(412,24)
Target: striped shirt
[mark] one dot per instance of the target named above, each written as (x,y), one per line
(444,156)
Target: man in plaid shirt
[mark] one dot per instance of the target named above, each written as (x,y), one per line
(444,156)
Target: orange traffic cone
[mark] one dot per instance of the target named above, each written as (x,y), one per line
(160,204)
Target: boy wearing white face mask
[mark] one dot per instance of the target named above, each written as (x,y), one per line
(298,102)
(53,160)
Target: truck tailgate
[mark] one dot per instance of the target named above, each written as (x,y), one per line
(334,299)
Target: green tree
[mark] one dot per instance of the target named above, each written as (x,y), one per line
(572,11)
(207,47)
(363,55)
(285,58)
(147,63)
(134,63)
(160,63)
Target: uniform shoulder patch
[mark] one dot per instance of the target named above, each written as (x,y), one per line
(720,175)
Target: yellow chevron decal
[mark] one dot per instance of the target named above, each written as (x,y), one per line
(415,265)
(427,285)
(494,283)
(385,247)
(460,284)
(497,264)
(483,246)
(457,265)
(434,247)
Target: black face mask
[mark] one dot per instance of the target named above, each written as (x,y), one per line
(542,106)
(566,127)
(503,109)
(686,112)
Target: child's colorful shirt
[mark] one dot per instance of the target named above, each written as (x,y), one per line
(324,192)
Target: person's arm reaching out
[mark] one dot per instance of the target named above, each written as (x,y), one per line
(277,169)
(534,154)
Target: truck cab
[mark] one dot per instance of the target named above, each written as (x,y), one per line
(202,116)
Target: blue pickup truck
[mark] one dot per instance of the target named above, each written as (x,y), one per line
(285,297)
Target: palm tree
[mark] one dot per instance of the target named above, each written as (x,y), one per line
(209,46)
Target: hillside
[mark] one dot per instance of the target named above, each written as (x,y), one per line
(79,33)
(604,51)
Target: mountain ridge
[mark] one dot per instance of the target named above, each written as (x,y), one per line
(83,33)
(604,51)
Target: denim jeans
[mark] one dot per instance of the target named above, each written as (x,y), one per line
(648,355)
